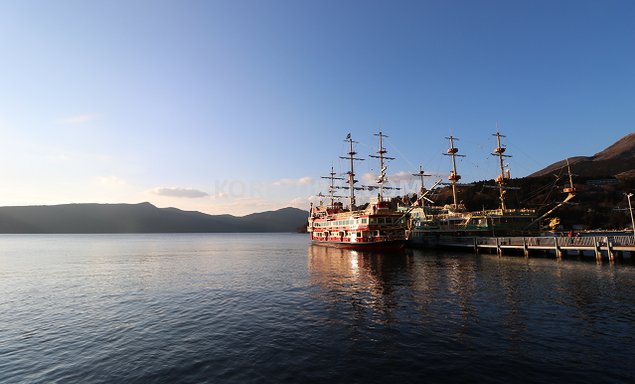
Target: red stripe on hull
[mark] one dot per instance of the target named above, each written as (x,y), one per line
(392,245)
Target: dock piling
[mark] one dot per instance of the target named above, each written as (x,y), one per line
(598,250)
(557,248)
(609,250)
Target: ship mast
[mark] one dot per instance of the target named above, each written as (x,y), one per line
(422,191)
(454,177)
(570,191)
(500,180)
(332,187)
(421,175)
(571,188)
(382,167)
(351,173)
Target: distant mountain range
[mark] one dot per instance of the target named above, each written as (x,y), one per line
(618,160)
(140,218)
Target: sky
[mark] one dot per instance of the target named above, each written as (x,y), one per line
(240,106)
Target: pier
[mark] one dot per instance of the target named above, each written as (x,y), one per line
(601,247)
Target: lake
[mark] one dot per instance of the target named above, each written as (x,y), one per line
(271,308)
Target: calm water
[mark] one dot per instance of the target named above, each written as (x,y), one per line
(270,308)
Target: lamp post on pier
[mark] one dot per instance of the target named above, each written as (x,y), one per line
(630,208)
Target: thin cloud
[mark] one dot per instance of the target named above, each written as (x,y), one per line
(304,202)
(299,202)
(304,180)
(220,195)
(401,176)
(301,181)
(369,178)
(187,193)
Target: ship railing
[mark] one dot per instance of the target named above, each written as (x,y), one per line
(500,212)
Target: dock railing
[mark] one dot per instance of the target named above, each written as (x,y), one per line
(600,245)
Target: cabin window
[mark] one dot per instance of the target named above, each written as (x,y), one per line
(373,220)
(380,220)
(364,221)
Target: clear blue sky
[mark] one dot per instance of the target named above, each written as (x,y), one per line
(240,106)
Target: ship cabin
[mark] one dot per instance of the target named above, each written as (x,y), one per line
(374,224)
(495,222)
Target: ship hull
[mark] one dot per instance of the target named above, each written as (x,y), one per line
(389,245)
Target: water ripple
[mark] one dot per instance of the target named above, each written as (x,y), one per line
(269,308)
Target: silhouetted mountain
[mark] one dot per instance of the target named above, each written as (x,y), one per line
(140,218)
(618,160)
(280,220)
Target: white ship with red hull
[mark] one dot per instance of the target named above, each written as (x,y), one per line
(378,226)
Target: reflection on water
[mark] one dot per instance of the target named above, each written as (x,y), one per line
(516,307)
(371,284)
(383,287)
(264,308)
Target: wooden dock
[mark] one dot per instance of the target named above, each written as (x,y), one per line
(601,247)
